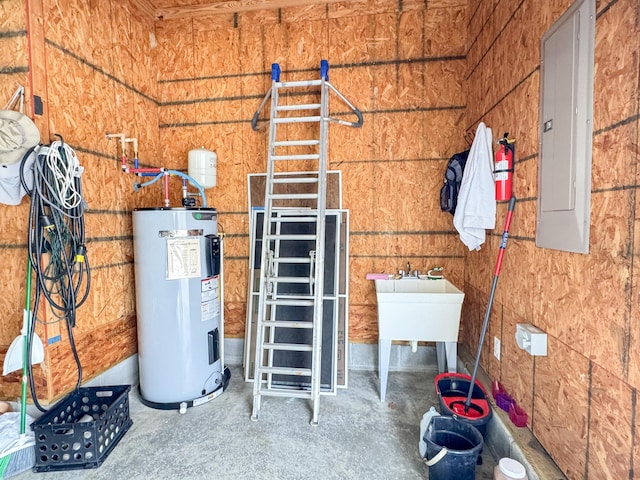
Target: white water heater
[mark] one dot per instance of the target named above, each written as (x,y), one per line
(202,167)
(178,264)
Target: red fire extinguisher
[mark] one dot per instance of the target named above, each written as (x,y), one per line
(503,172)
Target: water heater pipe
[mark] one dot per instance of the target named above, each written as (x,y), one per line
(155,172)
(166,190)
(184,176)
(135,150)
(138,186)
(120,136)
(135,145)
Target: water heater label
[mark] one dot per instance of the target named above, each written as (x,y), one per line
(209,310)
(210,306)
(209,289)
(183,258)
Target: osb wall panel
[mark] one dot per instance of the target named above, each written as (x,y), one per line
(13,55)
(395,66)
(451,19)
(99,79)
(103,347)
(585,303)
(633,352)
(612,150)
(561,406)
(516,365)
(12,16)
(13,70)
(175,49)
(513,278)
(472,315)
(636,445)
(609,397)
(618,95)
(12,306)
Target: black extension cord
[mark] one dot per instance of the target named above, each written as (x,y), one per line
(56,243)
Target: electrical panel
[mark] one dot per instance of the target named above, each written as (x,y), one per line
(565,131)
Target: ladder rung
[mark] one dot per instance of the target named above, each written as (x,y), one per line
(286,302)
(290,237)
(295,143)
(291,196)
(289,347)
(285,392)
(291,260)
(296,180)
(289,279)
(314,118)
(305,106)
(299,83)
(302,372)
(305,156)
(286,324)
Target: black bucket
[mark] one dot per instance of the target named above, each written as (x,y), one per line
(461,443)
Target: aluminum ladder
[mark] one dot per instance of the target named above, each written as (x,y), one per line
(290,304)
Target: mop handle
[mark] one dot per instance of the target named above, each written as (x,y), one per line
(505,235)
(487,314)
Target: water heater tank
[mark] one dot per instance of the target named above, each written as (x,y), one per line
(202,167)
(178,304)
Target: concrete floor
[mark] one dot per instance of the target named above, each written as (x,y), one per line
(358,437)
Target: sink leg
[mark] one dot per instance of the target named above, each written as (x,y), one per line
(440,355)
(384,353)
(452,356)
(447,351)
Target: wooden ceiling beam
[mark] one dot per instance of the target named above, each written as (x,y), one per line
(231,6)
(145,7)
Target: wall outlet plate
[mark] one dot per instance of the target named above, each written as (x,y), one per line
(496,347)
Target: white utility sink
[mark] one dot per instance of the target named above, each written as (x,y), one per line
(418,309)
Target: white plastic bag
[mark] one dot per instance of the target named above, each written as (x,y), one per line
(10,438)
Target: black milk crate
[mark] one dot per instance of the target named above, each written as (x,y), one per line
(82,429)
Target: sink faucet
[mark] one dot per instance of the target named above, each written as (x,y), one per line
(408,273)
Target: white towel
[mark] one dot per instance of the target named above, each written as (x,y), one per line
(476,208)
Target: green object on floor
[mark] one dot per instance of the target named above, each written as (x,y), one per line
(21,457)
(20,454)
(4,462)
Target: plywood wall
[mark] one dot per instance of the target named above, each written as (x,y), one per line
(94,68)
(581,398)
(393,60)
(14,71)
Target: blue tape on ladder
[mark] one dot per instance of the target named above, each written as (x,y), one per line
(275,72)
(324,70)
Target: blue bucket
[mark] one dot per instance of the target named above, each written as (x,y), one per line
(453,447)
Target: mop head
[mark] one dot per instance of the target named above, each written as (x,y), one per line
(17,452)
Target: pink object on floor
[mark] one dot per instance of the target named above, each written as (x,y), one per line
(517,415)
(503,399)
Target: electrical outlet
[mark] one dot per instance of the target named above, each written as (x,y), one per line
(496,347)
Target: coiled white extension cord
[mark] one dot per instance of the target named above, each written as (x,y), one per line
(63,163)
